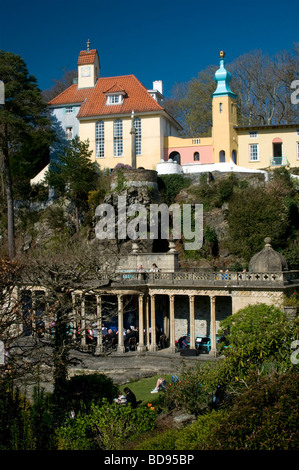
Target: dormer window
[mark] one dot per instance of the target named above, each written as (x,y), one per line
(115,95)
(115,99)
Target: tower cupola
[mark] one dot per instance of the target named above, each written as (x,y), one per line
(222,78)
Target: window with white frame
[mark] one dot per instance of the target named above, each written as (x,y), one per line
(137,125)
(114,99)
(253,152)
(68,109)
(69,133)
(118,137)
(253,134)
(195,141)
(100,139)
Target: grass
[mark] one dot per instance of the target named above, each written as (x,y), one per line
(142,389)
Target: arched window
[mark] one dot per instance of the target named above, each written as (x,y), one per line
(234,156)
(175,156)
(220,107)
(196,157)
(222,156)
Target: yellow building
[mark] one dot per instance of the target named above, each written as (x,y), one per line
(123,121)
(237,147)
(268,146)
(126,123)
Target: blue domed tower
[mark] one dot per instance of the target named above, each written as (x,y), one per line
(224,109)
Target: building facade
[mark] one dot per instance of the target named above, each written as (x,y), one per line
(122,120)
(251,147)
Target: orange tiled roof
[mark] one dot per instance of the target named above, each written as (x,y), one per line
(87,57)
(94,99)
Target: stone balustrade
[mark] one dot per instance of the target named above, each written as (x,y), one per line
(179,277)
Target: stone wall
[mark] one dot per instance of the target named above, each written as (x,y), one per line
(201,314)
(127,178)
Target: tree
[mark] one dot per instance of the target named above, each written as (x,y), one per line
(74,175)
(262,84)
(23,121)
(191,105)
(60,85)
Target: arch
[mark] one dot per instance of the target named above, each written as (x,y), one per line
(196,156)
(234,156)
(222,156)
(175,156)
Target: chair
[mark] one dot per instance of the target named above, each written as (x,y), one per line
(163,341)
(132,344)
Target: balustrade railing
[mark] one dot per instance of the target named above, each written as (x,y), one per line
(209,278)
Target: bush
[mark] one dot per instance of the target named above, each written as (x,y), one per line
(259,334)
(107,427)
(83,390)
(264,417)
(171,185)
(163,441)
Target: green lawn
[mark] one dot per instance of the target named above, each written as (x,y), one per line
(142,389)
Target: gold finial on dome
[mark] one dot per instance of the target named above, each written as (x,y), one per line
(221,54)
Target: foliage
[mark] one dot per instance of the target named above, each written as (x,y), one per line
(259,334)
(74,174)
(15,430)
(255,215)
(261,83)
(83,390)
(106,427)
(292,300)
(163,441)
(24,119)
(216,192)
(42,422)
(263,417)
(171,185)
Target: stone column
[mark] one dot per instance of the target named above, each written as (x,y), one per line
(74,319)
(172,324)
(213,350)
(120,345)
(141,347)
(83,323)
(99,345)
(147,340)
(153,345)
(192,322)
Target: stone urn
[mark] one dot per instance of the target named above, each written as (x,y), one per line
(290,311)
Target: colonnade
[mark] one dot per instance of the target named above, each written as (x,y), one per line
(147,321)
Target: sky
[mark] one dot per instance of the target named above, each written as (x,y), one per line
(168,40)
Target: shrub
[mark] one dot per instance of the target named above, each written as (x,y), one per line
(82,390)
(171,185)
(259,334)
(107,427)
(264,417)
(163,441)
